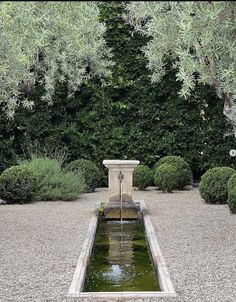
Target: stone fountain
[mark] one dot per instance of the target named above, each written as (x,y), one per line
(120,204)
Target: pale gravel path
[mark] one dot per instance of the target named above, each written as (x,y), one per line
(40,245)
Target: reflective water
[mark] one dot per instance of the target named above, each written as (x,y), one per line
(120,260)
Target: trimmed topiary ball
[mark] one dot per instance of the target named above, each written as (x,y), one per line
(143,177)
(213,187)
(89,170)
(232,200)
(166,177)
(18,184)
(232,182)
(184,173)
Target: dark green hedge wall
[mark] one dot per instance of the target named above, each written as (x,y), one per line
(129,118)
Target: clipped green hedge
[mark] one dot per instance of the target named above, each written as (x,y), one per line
(166,177)
(90,172)
(18,184)
(183,174)
(213,186)
(142,177)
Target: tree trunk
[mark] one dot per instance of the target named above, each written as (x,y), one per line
(230,110)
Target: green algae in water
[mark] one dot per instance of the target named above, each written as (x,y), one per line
(120,260)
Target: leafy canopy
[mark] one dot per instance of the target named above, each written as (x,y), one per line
(199,36)
(49,42)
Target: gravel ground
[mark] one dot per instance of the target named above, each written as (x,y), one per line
(40,244)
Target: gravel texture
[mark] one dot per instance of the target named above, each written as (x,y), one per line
(40,244)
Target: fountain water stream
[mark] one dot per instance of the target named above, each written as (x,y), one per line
(121,177)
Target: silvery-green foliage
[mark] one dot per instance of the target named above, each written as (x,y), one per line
(49,42)
(200,36)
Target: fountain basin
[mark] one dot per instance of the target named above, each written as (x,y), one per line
(120,259)
(79,289)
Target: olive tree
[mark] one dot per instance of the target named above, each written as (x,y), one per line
(48,42)
(198,36)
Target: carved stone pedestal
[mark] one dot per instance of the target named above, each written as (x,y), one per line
(121,188)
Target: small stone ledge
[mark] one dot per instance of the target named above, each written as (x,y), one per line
(122,295)
(130,210)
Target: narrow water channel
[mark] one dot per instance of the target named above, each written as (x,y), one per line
(120,260)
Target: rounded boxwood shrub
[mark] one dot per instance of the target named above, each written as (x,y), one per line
(232,182)
(166,177)
(89,170)
(213,186)
(232,200)
(143,177)
(18,184)
(183,174)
